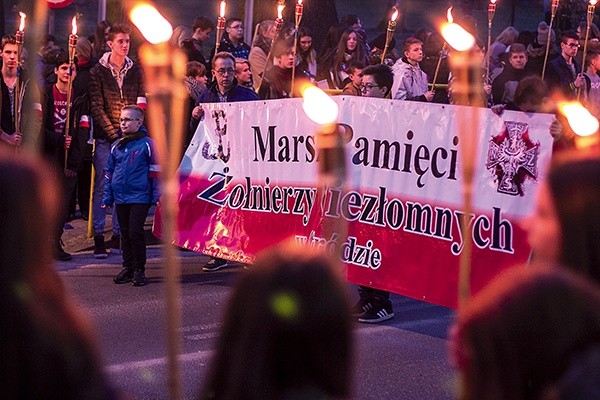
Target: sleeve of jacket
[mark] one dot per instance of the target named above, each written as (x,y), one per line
(97,105)
(552,77)
(109,169)
(153,172)
(498,88)
(80,130)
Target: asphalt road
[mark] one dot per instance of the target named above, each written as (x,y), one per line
(404,358)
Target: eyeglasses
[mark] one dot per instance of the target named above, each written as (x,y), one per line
(223,71)
(367,86)
(128,119)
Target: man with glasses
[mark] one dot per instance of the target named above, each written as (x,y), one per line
(410,82)
(224,89)
(233,41)
(564,72)
(374,305)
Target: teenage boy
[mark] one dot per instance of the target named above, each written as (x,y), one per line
(505,84)
(131,184)
(54,109)
(563,74)
(233,41)
(114,83)
(202,27)
(353,88)
(8,135)
(410,82)
(374,305)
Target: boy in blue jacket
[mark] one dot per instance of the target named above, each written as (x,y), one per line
(132,184)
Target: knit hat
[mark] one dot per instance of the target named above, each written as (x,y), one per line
(542,36)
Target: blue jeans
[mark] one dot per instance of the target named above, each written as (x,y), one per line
(101,154)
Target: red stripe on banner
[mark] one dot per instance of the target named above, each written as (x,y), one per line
(58,3)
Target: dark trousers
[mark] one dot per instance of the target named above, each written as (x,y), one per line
(67,188)
(368,293)
(133,243)
(84,178)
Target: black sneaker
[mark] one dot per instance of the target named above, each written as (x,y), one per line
(125,276)
(61,255)
(99,248)
(361,307)
(139,278)
(214,264)
(379,313)
(115,242)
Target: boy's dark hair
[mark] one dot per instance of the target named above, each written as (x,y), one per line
(354,65)
(349,20)
(9,39)
(203,24)
(409,42)
(195,68)
(568,35)
(136,109)
(62,58)
(118,28)
(382,75)
(591,54)
(230,21)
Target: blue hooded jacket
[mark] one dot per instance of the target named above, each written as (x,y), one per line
(131,172)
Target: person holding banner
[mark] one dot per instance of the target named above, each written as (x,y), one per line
(224,89)
(374,305)
(410,82)
(54,111)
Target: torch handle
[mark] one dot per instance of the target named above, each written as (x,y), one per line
(549,39)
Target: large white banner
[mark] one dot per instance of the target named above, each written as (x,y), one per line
(249,180)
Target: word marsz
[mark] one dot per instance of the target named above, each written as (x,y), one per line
(395,156)
(378,210)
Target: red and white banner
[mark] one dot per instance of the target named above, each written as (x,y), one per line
(248,180)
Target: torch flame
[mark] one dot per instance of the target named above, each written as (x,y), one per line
(222,9)
(155,28)
(280,11)
(580,119)
(318,106)
(22,24)
(449,15)
(456,36)
(493,1)
(74,25)
(593,2)
(395,15)
(299,1)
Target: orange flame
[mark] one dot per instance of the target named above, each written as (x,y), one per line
(455,35)
(280,11)
(493,1)
(593,2)
(22,24)
(449,15)
(395,15)
(74,25)
(222,9)
(299,1)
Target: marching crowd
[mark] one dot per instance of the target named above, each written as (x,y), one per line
(533,333)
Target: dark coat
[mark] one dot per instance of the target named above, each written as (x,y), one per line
(107,99)
(559,76)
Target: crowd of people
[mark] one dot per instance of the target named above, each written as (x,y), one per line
(533,333)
